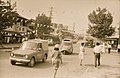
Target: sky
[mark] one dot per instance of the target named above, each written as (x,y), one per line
(71,13)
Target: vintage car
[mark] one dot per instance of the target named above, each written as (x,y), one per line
(66,46)
(30,52)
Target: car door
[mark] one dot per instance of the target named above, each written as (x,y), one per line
(39,51)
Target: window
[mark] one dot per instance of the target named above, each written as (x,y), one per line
(23,29)
(39,45)
(20,29)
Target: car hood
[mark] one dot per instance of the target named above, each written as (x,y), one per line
(23,52)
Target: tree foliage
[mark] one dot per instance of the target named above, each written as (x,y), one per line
(100,23)
(43,24)
(7,15)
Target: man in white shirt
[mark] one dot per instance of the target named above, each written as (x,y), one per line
(97,50)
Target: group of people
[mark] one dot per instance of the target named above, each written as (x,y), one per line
(106,48)
(57,55)
(97,50)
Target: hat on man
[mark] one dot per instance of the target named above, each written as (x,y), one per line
(56,47)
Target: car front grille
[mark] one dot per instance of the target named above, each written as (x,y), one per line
(18,55)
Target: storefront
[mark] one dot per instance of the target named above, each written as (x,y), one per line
(113,42)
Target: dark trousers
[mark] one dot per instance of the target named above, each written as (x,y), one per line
(119,50)
(109,49)
(97,59)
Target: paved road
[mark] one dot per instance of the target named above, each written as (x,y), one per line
(69,69)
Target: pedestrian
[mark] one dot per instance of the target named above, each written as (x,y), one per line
(56,59)
(81,53)
(104,47)
(58,46)
(97,51)
(109,48)
(118,48)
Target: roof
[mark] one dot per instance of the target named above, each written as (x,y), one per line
(19,16)
(36,40)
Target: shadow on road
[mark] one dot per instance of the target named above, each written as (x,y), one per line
(103,66)
(43,65)
(37,65)
(75,54)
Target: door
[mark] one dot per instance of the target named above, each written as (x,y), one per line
(39,51)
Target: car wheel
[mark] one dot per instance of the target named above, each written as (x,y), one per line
(44,59)
(32,62)
(13,62)
(72,51)
(64,52)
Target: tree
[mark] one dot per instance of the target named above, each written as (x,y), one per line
(7,16)
(100,23)
(44,24)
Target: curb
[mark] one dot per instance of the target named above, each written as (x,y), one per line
(7,49)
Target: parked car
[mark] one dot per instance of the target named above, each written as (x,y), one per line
(30,52)
(66,46)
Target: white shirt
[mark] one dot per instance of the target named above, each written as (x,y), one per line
(118,45)
(97,49)
(82,49)
(109,46)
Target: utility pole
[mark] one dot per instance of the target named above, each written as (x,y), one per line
(118,47)
(73,27)
(51,12)
(119,34)
(119,27)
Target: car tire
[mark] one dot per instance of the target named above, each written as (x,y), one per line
(13,62)
(44,58)
(32,62)
(64,52)
(71,51)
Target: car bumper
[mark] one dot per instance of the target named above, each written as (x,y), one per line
(19,60)
(68,51)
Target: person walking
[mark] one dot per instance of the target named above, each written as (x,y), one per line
(97,51)
(81,53)
(109,48)
(104,47)
(56,59)
(118,48)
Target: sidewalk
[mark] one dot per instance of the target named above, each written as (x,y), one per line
(8,47)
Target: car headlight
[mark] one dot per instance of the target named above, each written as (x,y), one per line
(26,56)
(12,54)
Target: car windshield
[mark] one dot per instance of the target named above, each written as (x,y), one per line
(30,46)
(66,44)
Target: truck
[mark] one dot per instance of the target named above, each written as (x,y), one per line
(30,52)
